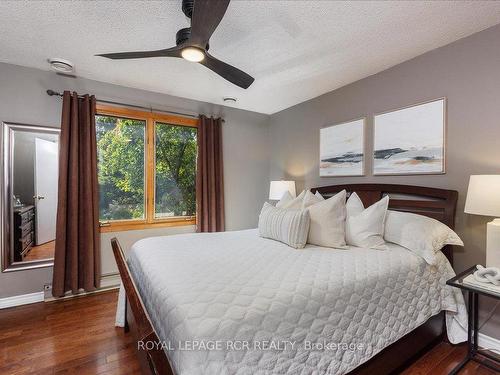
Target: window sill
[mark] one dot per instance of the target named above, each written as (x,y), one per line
(126,226)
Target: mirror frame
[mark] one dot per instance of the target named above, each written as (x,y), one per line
(6,144)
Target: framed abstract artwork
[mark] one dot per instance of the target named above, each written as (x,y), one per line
(342,149)
(410,140)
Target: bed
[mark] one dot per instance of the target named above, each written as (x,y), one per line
(236,303)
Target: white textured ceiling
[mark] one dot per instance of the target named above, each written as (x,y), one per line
(296,50)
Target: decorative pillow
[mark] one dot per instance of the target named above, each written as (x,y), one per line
(318,195)
(327,227)
(420,234)
(365,227)
(288,226)
(287,197)
(310,199)
(296,203)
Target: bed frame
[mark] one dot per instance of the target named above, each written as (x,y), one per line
(439,204)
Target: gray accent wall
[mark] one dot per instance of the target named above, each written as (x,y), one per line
(466,72)
(24,167)
(245,141)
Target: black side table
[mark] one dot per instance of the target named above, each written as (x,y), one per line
(473,353)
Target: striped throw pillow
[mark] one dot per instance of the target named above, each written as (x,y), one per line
(288,226)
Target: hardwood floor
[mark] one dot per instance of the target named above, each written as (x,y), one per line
(77,336)
(44,251)
(442,359)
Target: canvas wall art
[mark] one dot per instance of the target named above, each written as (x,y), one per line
(410,140)
(342,149)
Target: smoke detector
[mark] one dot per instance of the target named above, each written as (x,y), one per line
(61,65)
(229,100)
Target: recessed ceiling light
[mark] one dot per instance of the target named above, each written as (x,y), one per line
(193,54)
(61,65)
(229,100)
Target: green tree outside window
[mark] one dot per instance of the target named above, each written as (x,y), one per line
(121,169)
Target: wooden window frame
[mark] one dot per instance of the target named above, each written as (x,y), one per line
(151,118)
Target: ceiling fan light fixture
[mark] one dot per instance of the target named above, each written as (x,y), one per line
(193,54)
(192,43)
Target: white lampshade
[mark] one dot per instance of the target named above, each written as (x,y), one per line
(483,195)
(278,188)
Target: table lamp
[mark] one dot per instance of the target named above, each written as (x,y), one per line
(483,198)
(278,188)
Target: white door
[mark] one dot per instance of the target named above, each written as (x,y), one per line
(46,175)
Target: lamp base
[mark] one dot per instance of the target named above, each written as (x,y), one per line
(493,243)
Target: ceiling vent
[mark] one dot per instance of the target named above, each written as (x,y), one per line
(229,100)
(61,66)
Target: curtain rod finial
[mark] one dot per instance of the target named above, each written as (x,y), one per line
(52,93)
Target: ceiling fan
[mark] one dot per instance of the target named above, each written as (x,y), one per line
(193,42)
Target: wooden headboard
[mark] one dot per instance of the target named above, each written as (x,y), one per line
(439,204)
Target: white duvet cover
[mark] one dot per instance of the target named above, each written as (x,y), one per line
(235,303)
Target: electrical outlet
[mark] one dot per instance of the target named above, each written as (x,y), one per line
(47,292)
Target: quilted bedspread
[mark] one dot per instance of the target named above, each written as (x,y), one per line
(235,303)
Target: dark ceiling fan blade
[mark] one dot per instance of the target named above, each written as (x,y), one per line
(232,74)
(207,15)
(169,52)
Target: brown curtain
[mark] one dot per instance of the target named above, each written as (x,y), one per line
(77,262)
(209,176)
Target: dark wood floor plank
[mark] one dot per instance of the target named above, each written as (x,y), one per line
(78,336)
(485,371)
(74,336)
(424,365)
(454,357)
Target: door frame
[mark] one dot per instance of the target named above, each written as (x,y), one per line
(36,193)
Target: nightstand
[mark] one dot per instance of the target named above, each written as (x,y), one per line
(473,353)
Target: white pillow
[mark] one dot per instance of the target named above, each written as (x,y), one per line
(288,226)
(310,199)
(328,217)
(365,227)
(287,197)
(318,195)
(420,234)
(296,203)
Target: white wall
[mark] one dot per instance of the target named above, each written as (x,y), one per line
(245,142)
(128,238)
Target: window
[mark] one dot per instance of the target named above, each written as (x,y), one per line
(146,169)
(175,166)
(120,145)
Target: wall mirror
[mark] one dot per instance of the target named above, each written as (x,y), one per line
(29,195)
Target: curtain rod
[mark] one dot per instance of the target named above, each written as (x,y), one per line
(55,93)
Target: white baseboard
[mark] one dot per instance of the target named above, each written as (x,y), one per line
(22,299)
(110,281)
(488,342)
